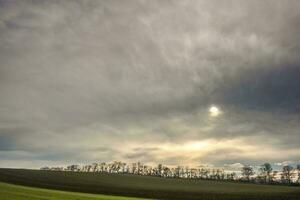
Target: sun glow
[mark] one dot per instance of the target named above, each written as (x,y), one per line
(193,152)
(214,111)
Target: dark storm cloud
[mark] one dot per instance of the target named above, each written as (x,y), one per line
(272,89)
(104,77)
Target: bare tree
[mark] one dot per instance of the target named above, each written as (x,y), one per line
(266,170)
(159,169)
(139,168)
(232,176)
(247,171)
(166,171)
(298,170)
(202,173)
(177,172)
(123,165)
(287,173)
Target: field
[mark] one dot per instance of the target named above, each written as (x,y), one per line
(145,186)
(15,192)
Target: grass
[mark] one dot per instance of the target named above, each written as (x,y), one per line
(16,192)
(146,186)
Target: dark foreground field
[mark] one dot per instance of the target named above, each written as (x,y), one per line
(147,187)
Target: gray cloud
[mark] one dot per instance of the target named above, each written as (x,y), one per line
(271,89)
(76,76)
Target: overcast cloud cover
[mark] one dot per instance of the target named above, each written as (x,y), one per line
(90,81)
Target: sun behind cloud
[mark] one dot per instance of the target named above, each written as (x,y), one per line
(214,111)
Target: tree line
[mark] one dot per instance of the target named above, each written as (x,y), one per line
(265,174)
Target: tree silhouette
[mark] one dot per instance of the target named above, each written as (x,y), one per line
(298,169)
(267,169)
(287,173)
(247,171)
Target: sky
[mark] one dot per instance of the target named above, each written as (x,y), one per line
(212,83)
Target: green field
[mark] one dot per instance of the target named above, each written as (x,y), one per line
(146,186)
(16,192)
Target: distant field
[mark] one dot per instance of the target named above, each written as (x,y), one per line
(147,187)
(16,192)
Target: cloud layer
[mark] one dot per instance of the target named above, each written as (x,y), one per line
(85,81)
